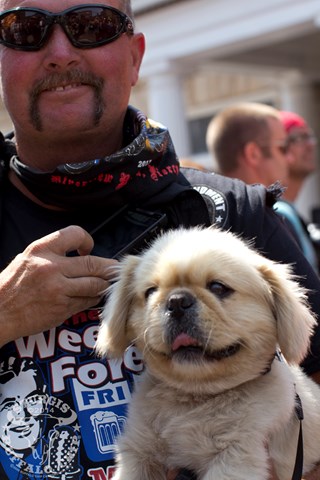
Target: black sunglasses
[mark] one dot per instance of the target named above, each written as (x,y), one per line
(86,26)
(303,138)
(283,147)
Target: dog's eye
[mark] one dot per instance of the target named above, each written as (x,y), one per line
(219,289)
(149,292)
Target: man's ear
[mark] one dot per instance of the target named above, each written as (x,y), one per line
(137,52)
(252,154)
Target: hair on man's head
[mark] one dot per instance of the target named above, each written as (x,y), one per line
(235,126)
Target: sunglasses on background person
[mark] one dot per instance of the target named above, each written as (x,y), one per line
(303,138)
(86,26)
(283,147)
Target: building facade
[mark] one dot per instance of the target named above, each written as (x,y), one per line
(203,55)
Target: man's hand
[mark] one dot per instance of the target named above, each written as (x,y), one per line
(42,286)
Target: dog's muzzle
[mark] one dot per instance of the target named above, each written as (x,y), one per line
(183,331)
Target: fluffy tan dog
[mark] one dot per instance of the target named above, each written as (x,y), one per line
(208,314)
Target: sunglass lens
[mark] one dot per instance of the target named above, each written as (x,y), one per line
(93,25)
(23,28)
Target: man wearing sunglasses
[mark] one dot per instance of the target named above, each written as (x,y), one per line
(82,161)
(302,145)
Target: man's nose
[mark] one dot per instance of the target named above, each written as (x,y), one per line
(59,51)
(289,156)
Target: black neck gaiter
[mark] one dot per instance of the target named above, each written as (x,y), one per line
(142,169)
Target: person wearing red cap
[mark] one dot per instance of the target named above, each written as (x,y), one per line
(302,149)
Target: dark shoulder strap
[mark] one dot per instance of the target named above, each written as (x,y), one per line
(188,209)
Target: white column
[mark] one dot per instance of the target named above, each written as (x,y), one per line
(166,105)
(297,95)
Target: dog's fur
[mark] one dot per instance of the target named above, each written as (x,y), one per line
(208,313)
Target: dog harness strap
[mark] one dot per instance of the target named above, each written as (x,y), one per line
(298,467)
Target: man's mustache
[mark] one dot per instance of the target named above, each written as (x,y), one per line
(55,80)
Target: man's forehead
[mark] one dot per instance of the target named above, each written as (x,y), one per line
(302,129)
(8,4)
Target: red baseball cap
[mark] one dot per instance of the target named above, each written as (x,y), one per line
(291,120)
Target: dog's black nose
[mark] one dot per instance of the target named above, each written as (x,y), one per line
(178,303)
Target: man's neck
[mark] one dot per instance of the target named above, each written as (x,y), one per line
(246,175)
(293,188)
(45,153)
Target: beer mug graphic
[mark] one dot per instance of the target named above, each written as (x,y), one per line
(107,426)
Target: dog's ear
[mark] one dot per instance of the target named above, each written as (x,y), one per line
(112,339)
(295,321)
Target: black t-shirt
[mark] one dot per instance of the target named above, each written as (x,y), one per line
(23,221)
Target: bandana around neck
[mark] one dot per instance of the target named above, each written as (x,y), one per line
(145,166)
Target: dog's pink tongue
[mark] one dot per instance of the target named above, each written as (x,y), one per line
(183,340)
